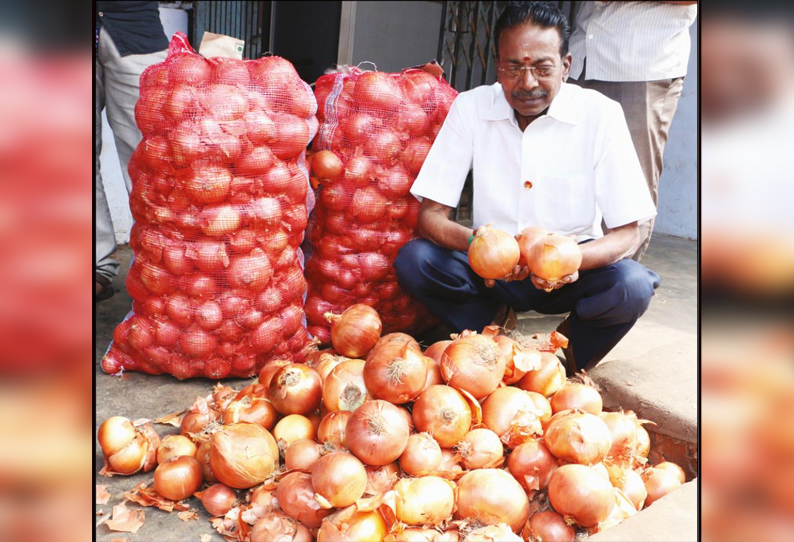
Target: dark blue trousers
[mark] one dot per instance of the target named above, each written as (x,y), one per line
(604,303)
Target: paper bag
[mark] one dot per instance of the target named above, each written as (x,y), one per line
(213,45)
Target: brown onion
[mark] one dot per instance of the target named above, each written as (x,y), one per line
(279,526)
(481,449)
(338,479)
(643,442)
(473,363)
(326,362)
(422,455)
(518,360)
(526,238)
(354,525)
(178,478)
(243,455)
(532,464)
(546,379)
(296,389)
(264,496)
(436,349)
(326,165)
(302,455)
(199,417)
(554,256)
(428,500)
(332,429)
(377,433)
(291,428)
(250,405)
(492,533)
(549,526)
(514,415)
(267,372)
(434,377)
(581,494)
(623,428)
(218,499)
(203,457)
(493,253)
(295,496)
(450,467)
(444,413)
(114,434)
(576,436)
(175,446)
(355,331)
(130,449)
(573,395)
(630,483)
(344,387)
(492,496)
(395,373)
(658,483)
(675,469)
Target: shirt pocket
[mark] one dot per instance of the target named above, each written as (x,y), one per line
(567,203)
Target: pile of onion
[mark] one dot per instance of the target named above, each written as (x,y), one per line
(493,253)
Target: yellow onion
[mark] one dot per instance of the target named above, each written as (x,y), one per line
(549,526)
(493,253)
(547,379)
(622,510)
(218,499)
(326,165)
(436,349)
(295,496)
(444,413)
(344,387)
(493,533)
(353,526)
(578,437)
(422,455)
(581,495)
(264,496)
(114,434)
(518,360)
(481,449)
(514,414)
(434,377)
(623,428)
(175,446)
(528,237)
(532,464)
(331,431)
(473,363)
(428,500)
(291,428)
(658,483)
(338,479)
(243,455)
(554,256)
(302,455)
(675,469)
(251,405)
(377,433)
(601,469)
(355,331)
(295,389)
(395,372)
(643,442)
(269,370)
(279,526)
(178,478)
(450,467)
(574,395)
(203,457)
(128,449)
(630,483)
(199,417)
(326,362)
(492,496)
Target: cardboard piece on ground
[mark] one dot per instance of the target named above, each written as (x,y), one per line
(218,45)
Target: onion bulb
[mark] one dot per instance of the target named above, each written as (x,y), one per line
(450,467)
(326,165)
(630,483)
(518,360)
(444,413)
(178,478)
(514,414)
(291,428)
(422,455)
(279,526)
(377,433)
(264,497)
(114,434)
(547,379)
(295,495)
(203,457)
(549,526)
(492,496)
(338,479)
(643,442)
(428,500)
(574,395)
(532,464)
(675,469)
(326,362)
(553,257)
(623,428)
(354,525)
(658,483)
(396,373)
(250,405)
(267,372)
(218,499)
(128,449)
(302,455)
(243,455)
(436,349)
(528,237)
(344,387)
(481,449)
(493,533)
(493,253)
(581,495)
(295,389)
(355,331)
(576,436)
(473,363)
(175,446)
(331,431)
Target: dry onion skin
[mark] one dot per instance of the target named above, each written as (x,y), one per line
(576,436)
(492,496)
(547,379)
(481,449)
(175,446)
(279,526)
(581,495)
(473,363)
(203,457)
(532,465)
(339,479)
(444,413)
(355,331)
(422,455)
(574,395)
(295,495)
(428,500)
(493,253)
(344,387)
(243,455)
(377,433)
(518,360)
(515,415)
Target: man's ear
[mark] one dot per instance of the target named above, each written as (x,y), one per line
(566,66)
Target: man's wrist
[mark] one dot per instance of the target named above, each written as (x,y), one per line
(471,237)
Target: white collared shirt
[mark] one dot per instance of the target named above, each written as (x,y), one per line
(563,172)
(631,41)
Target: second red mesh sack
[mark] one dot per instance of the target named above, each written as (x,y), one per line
(380,127)
(219,200)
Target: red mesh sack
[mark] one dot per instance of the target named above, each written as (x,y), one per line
(380,126)
(220,200)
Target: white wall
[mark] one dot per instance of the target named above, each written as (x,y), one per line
(678,185)
(173,20)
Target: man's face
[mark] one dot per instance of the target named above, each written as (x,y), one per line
(529,45)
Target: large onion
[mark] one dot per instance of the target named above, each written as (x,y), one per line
(279,526)
(295,495)
(623,428)
(395,372)
(354,525)
(514,415)
(547,379)
(250,405)
(549,526)
(481,449)
(528,237)
(344,387)
(581,495)
(377,433)
(175,446)
(291,428)
(493,253)
(218,499)
(331,431)
(675,469)
(428,500)
(434,377)
(203,457)
(436,350)
(355,331)
(554,256)
(658,483)
(243,455)
(574,395)
(518,360)
(296,389)
(444,413)
(338,479)
(302,455)
(473,363)
(630,483)
(532,465)
(178,478)
(578,437)
(492,496)
(422,455)
(128,449)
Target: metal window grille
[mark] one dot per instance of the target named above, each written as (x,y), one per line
(248,21)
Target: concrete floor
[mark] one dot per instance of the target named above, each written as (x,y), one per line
(660,353)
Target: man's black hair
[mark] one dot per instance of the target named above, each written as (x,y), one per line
(542,14)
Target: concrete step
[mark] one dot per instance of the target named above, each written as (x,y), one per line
(670,519)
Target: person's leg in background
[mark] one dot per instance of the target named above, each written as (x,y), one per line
(649,108)
(118,82)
